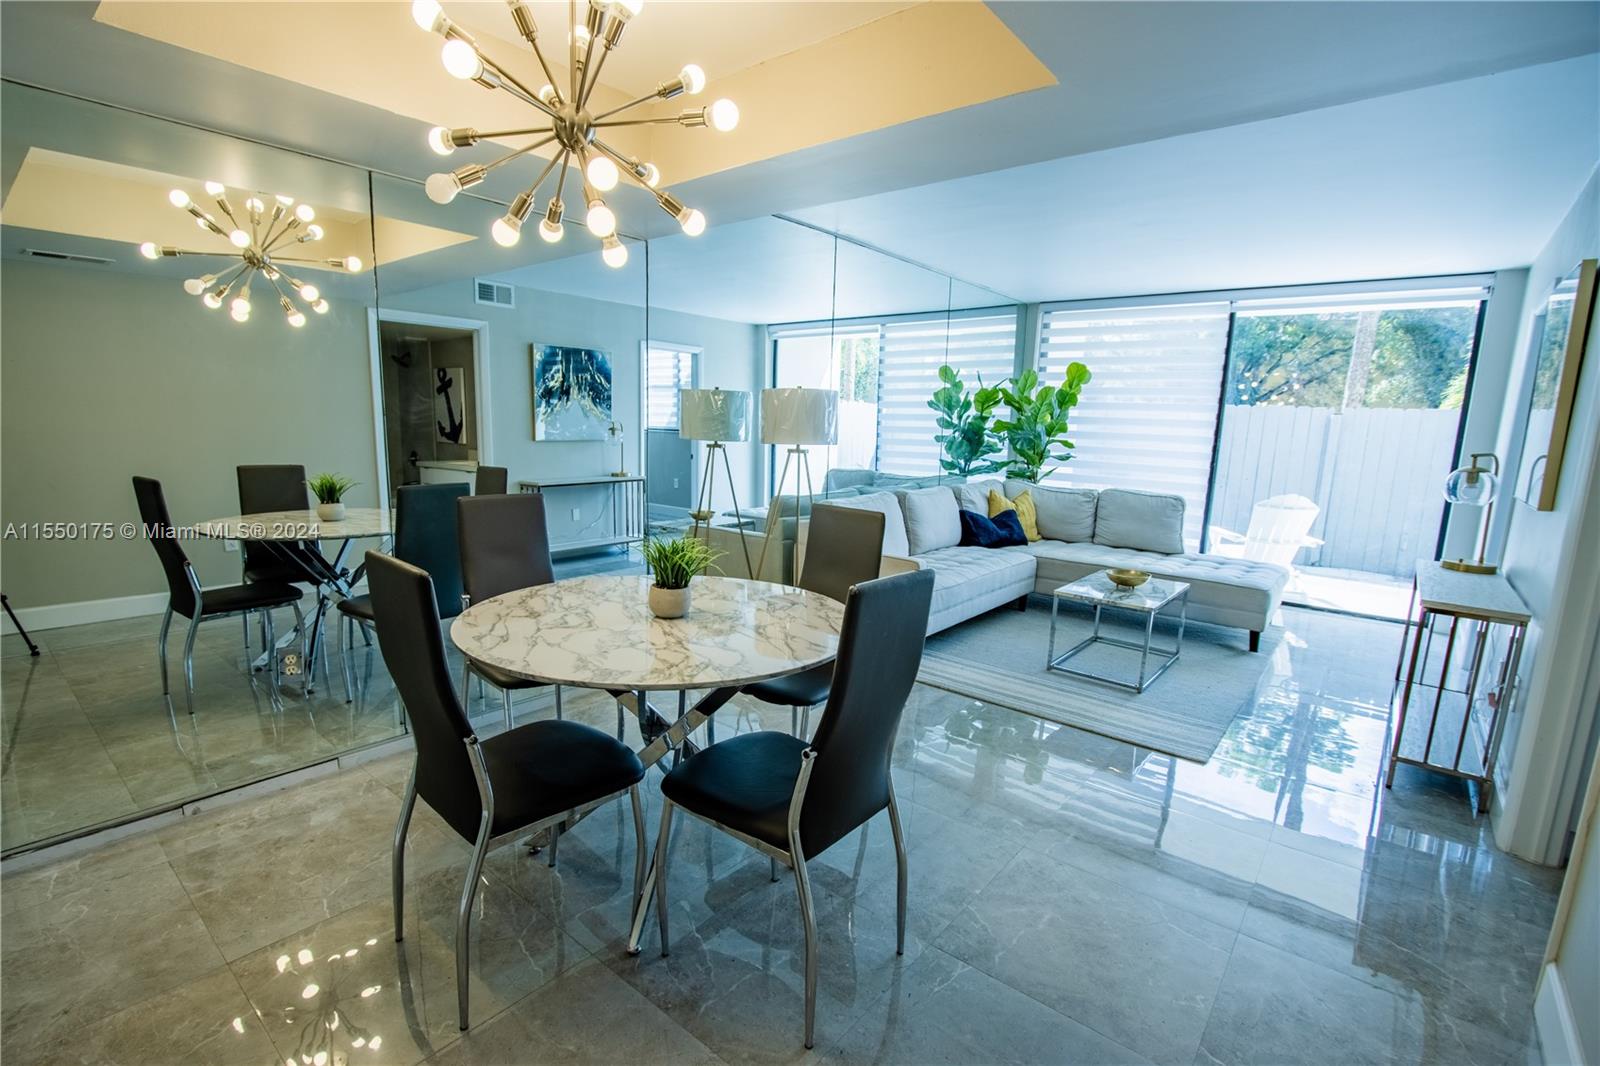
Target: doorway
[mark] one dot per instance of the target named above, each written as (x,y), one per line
(430,381)
(670,460)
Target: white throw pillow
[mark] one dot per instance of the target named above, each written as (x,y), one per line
(894,523)
(932,519)
(1063,514)
(974,495)
(1143,521)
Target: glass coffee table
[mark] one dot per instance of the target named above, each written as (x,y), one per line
(1149,599)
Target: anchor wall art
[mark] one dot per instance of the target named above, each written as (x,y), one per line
(449,404)
(571,392)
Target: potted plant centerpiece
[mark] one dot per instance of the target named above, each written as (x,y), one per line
(675,563)
(329,489)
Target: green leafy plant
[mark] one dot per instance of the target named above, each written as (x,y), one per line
(330,488)
(675,563)
(1036,430)
(963,422)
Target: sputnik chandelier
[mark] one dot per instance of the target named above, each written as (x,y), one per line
(259,238)
(574,130)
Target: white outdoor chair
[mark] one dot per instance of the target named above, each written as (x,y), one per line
(1279,528)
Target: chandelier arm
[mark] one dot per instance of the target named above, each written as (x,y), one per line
(592,76)
(230,278)
(561,178)
(626,165)
(635,122)
(572,37)
(511,85)
(544,66)
(273,239)
(582,92)
(533,189)
(518,153)
(645,99)
(227,209)
(289,259)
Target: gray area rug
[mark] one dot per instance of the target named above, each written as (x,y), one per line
(999,658)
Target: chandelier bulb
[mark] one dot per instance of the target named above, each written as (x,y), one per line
(580,38)
(215,188)
(254,205)
(442,187)
(150,250)
(601,220)
(651,174)
(551,232)
(286,201)
(692,221)
(296,319)
(178,198)
(548,95)
(320,307)
(614,252)
(461,59)
(310,293)
(693,78)
(212,300)
(724,115)
(351,263)
(507,230)
(305,213)
(195,286)
(439,140)
(426,14)
(314,232)
(602,173)
(239,239)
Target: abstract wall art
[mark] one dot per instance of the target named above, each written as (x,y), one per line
(571,392)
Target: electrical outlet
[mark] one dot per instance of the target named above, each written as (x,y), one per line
(230,545)
(575,515)
(674,482)
(289,662)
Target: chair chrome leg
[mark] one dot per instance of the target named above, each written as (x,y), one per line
(464,917)
(802,886)
(466,688)
(245,618)
(550,848)
(344,658)
(188,660)
(638,844)
(794,721)
(900,875)
(772,868)
(407,805)
(620,713)
(805,722)
(161,647)
(272,652)
(663,843)
(558,703)
(505,699)
(300,628)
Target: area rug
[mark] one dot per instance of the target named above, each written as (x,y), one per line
(999,658)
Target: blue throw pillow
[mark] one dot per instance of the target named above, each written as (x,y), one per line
(1004,530)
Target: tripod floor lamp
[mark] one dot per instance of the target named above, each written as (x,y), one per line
(717,417)
(796,417)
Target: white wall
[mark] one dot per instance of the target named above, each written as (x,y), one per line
(1552,560)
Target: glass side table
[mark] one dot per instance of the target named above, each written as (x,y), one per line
(1149,599)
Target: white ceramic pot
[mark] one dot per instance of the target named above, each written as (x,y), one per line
(331,512)
(669,603)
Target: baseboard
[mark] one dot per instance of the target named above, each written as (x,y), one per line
(60,615)
(1552,1017)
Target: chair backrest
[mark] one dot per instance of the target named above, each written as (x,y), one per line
(1278,528)
(490,481)
(504,544)
(269,487)
(880,649)
(158,528)
(844,547)
(425,536)
(412,643)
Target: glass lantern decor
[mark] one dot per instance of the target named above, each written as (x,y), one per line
(1475,485)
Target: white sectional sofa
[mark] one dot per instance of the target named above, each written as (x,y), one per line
(1081,530)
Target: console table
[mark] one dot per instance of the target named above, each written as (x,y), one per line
(626,504)
(1453,735)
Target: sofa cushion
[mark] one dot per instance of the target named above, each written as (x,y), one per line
(1234,587)
(1143,521)
(974,495)
(968,575)
(894,525)
(1003,530)
(932,518)
(1063,514)
(846,477)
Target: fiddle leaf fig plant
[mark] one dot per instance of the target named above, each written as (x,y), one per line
(964,422)
(1036,427)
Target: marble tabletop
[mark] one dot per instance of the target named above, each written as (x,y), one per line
(299,525)
(1153,595)
(598,632)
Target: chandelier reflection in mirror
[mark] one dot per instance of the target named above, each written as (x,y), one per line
(259,237)
(576,132)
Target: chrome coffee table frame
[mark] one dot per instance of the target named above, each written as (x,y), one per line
(1098,590)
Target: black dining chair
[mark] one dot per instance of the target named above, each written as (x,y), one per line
(186,596)
(266,487)
(543,775)
(791,800)
(425,537)
(490,481)
(505,546)
(844,547)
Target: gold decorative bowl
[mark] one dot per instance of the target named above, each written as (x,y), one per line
(1128,579)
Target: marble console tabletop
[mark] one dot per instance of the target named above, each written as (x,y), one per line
(598,632)
(299,525)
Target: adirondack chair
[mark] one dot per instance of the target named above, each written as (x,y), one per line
(1279,528)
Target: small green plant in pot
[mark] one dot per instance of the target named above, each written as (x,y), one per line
(675,563)
(963,421)
(329,489)
(1036,430)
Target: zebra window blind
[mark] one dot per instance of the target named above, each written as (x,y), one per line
(669,369)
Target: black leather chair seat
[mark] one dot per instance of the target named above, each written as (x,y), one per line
(251,597)
(744,782)
(358,607)
(546,767)
(276,567)
(501,678)
(805,689)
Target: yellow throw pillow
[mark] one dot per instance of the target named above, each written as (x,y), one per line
(1027,515)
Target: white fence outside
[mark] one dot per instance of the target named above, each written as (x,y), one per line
(1375,472)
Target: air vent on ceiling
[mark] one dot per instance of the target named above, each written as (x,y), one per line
(65,257)
(496,293)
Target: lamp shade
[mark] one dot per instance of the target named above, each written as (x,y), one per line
(713,414)
(799,416)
